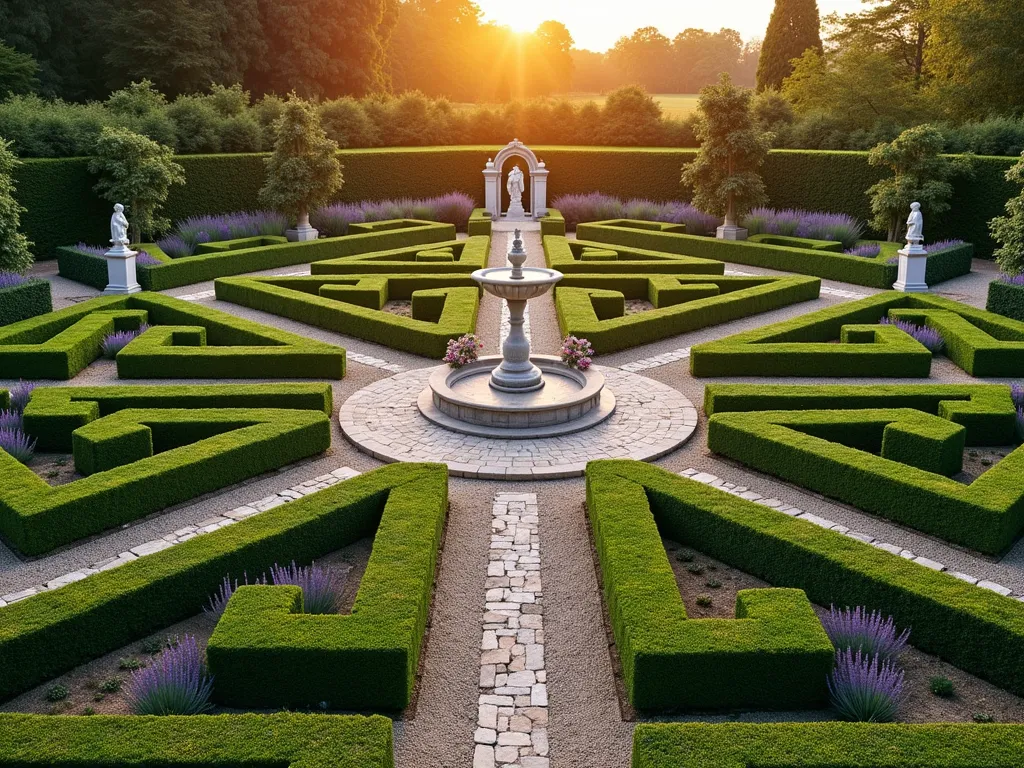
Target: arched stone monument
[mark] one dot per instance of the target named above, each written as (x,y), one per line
(538,181)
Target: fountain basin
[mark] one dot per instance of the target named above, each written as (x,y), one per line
(502,282)
(463,400)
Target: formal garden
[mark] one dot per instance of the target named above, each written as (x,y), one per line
(690,449)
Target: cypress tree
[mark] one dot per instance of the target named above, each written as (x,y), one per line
(794,27)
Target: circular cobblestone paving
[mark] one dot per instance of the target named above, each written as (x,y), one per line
(650,420)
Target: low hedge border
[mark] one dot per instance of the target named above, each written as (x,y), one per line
(980,342)
(826,745)
(108,610)
(893,462)
(444,307)
(188,341)
(985,410)
(975,629)
(53,413)
(567,256)
(466,256)
(479,223)
(797,242)
(553,223)
(138,461)
(1006,300)
(773,655)
(396,233)
(20,302)
(194,741)
(592,306)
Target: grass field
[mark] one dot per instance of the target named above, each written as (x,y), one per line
(674,105)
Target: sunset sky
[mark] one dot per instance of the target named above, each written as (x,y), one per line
(597,24)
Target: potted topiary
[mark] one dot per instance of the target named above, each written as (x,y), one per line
(303,172)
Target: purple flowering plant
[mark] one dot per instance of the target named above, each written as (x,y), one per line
(118,340)
(856,629)
(321,586)
(930,338)
(463,350)
(577,353)
(865,689)
(11,279)
(17,444)
(176,684)
(20,394)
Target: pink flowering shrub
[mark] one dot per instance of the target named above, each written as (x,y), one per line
(463,350)
(577,353)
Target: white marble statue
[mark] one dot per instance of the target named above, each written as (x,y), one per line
(119,227)
(915,225)
(515,186)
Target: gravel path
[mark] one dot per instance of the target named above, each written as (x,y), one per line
(585,720)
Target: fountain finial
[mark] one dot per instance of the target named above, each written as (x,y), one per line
(517,256)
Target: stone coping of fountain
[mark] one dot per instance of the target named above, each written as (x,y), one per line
(544,412)
(535,282)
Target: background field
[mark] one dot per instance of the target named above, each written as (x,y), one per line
(674,105)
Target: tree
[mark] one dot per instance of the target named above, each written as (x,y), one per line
(646,59)
(919,174)
(137,172)
(1008,230)
(303,172)
(898,29)
(18,72)
(631,117)
(794,27)
(724,176)
(15,255)
(548,49)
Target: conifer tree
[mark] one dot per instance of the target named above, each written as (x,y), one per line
(794,28)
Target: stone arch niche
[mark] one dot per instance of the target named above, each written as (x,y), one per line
(536,170)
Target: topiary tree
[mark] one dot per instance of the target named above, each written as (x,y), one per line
(795,26)
(919,174)
(138,172)
(303,172)
(724,176)
(14,246)
(1008,230)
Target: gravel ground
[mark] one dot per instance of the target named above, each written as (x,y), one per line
(585,716)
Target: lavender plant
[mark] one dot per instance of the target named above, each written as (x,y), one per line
(321,587)
(176,246)
(930,338)
(118,340)
(453,208)
(1012,279)
(595,206)
(11,279)
(1020,422)
(943,245)
(176,684)
(1017,393)
(857,630)
(20,394)
(815,225)
(463,350)
(865,250)
(147,260)
(864,689)
(10,419)
(91,250)
(219,599)
(16,443)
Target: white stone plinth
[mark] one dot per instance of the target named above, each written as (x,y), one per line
(731,232)
(303,231)
(912,269)
(121,271)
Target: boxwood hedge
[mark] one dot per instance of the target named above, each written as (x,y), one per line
(197,741)
(773,655)
(980,342)
(187,341)
(110,609)
(444,307)
(588,257)
(1006,299)
(140,460)
(21,302)
(456,256)
(826,745)
(973,628)
(592,306)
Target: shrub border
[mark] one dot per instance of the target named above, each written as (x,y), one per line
(1006,300)
(20,302)
(562,254)
(468,255)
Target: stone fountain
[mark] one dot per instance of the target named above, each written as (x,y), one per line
(516,394)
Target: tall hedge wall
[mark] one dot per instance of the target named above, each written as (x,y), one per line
(62,209)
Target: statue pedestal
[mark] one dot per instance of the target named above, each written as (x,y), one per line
(515,211)
(303,231)
(731,232)
(913,265)
(121,271)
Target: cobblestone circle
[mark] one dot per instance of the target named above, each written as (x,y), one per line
(651,419)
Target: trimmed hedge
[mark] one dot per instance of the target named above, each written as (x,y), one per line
(265,653)
(1006,300)
(980,342)
(363,238)
(797,242)
(465,256)
(479,223)
(891,462)
(592,306)
(826,745)
(973,628)
(553,223)
(62,208)
(141,460)
(774,655)
(444,307)
(985,410)
(187,341)
(21,302)
(113,608)
(197,741)
(805,261)
(581,256)
(53,413)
